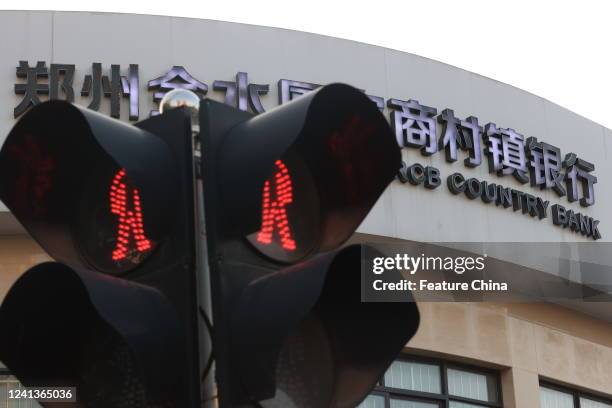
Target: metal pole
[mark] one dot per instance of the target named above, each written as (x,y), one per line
(208,389)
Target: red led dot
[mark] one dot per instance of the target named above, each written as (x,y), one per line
(274,217)
(129,225)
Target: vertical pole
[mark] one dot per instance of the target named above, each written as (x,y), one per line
(208,388)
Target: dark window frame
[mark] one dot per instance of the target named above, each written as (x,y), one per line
(443,399)
(575,393)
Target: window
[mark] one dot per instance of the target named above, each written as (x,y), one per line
(590,403)
(415,382)
(373,401)
(550,398)
(410,375)
(554,396)
(7,383)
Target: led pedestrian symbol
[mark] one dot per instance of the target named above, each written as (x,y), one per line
(274,213)
(130,228)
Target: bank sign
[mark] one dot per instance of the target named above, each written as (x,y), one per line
(507,152)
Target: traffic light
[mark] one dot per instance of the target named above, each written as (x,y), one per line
(117,314)
(284,190)
(113,204)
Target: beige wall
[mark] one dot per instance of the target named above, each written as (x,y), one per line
(524,341)
(17,254)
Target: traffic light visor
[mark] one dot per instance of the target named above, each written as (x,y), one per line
(312,168)
(83,185)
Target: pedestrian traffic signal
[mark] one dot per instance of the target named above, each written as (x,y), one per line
(116,316)
(113,204)
(283,191)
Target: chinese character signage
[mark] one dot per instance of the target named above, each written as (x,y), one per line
(508,153)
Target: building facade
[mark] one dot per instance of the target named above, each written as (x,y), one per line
(553,164)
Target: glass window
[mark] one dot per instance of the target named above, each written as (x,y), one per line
(8,382)
(457,404)
(373,401)
(417,382)
(413,376)
(553,396)
(589,403)
(467,384)
(555,399)
(399,403)
(3,392)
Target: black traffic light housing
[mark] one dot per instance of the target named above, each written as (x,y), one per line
(304,331)
(61,327)
(114,204)
(308,171)
(327,138)
(53,165)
